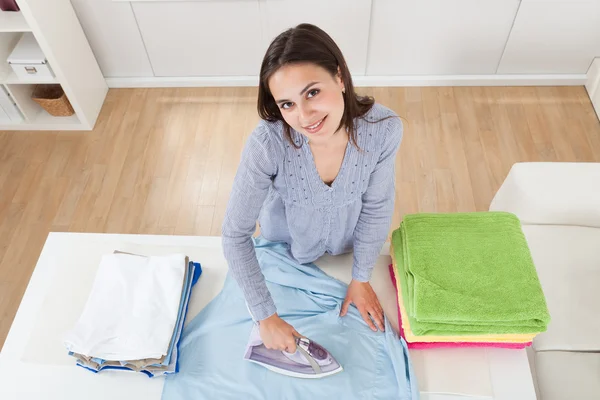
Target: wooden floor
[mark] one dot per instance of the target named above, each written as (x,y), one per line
(162,161)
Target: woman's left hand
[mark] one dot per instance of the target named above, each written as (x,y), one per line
(362,295)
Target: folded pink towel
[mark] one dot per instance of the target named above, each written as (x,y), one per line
(423,345)
(439,345)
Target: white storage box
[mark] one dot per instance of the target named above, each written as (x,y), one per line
(28,60)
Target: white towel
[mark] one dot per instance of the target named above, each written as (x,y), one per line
(132,308)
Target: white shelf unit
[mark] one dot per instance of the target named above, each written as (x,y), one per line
(61,38)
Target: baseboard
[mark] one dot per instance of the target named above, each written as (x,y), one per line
(472,80)
(184,81)
(593,85)
(364,81)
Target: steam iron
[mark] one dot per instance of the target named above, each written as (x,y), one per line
(309,361)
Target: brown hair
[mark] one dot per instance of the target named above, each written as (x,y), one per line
(308,43)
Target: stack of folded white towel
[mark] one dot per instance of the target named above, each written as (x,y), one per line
(134,314)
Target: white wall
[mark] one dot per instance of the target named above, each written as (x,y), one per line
(593,85)
(399,39)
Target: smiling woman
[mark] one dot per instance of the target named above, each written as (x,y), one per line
(317,173)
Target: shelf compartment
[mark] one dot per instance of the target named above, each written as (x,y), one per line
(32,111)
(8,41)
(13,21)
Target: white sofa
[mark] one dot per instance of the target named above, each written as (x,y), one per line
(559,207)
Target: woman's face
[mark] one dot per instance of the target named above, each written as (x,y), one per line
(310,99)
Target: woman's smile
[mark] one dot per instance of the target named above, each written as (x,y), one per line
(316,127)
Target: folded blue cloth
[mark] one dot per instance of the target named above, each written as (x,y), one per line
(171,361)
(376,364)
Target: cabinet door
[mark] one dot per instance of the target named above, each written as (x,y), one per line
(553,37)
(114,37)
(208,38)
(346,21)
(438,37)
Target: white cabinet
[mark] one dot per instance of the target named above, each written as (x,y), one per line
(207,38)
(169,41)
(346,21)
(438,37)
(111,29)
(553,37)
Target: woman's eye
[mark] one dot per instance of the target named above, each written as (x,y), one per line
(285,106)
(313,92)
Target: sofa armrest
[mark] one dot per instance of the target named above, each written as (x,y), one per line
(551,193)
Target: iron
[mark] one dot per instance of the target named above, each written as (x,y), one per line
(310,360)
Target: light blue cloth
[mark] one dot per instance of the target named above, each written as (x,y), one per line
(376,364)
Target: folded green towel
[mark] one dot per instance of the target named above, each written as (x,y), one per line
(468,273)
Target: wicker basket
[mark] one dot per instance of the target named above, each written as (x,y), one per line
(52,98)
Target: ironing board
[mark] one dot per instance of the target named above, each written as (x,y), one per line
(34,363)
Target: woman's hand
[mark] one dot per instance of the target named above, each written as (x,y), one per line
(278,334)
(362,295)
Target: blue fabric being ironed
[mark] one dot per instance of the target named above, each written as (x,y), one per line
(376,364)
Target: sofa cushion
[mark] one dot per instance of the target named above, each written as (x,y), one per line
(568,375)
(567,260)
(557,193)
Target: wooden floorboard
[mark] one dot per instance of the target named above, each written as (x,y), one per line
(162,161)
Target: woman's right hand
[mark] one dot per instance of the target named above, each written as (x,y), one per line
(277,334)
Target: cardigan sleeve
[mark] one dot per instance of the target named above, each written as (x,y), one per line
(250,188)
(377,210)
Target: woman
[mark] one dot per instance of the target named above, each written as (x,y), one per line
(317,173)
